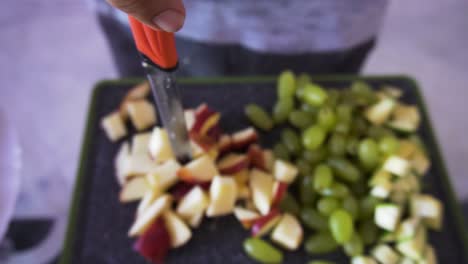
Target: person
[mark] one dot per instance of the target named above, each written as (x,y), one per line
(240,37)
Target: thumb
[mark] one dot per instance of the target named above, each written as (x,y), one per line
(166,15)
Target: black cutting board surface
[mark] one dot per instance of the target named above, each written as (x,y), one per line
(97,231)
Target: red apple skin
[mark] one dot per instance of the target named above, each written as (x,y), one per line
(257,159)
(205,142)
(280,191)
(202,113)
(244,138)
(179,190)
(154,243)
(215,132)
(224,144)
(233,165)
(262,221)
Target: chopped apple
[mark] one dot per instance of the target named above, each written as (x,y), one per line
(179,232)
(233,163)
(200,169)
(261,186)
(194,202)
(166,175)
(142,222)
(244,138)
(269,160)
(114,126)
(223,194)
(265,223)
(224,143)
(189,115)
(155,242)
(243,191)
(140,164)
(140,143)
(121,163)
(181,189)
(139,91)
(397,166)
(159,146)
(260,159)
(428,208)
(142,114)
(134,190)
(279,190)
(285,171)
(246,217)
(195,220)
(215,132)
(147,200)
(288,233)
(241,177)
(205,119)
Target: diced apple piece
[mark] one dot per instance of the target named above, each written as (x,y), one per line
(261,186)
(224,143)
(244,138)
(397,166)
(142,114)
(140,164)
(385,254)
(246,217)
(140,143)
(166,175)
(134,190)
(414,247)
(382,189)
(269,159)
(189,115)
(363,260)
(387,216)
(147,200)
(261,159)
(121,163)
(380,112)
(155,242)
(200,169)
(114,126)
(407,229)
(194,202)
(160,146)
(195,220)
(405,118)
(241,177)
(428,208)
(285,171)
(406,148)
(288,233)
(205,118)
(150,214)
(420,162)
(223,194)
(179,232)
(265,223)
(233,163)
(243,191)
(379,177)
(139,91)
(279,191)
(215,132)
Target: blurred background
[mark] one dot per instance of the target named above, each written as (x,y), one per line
(53,52)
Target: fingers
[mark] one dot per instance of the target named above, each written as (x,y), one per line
(167,15)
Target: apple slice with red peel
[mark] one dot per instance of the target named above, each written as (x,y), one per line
(241,177)
(233,163)
(255,154)
(223,194)
(156,208)
(288,233)
(121,163)
(205,119)
(285,171)
(201,169)
(195,220)
(261,186)
(243,192)
(246,217)
(179,232)
(134,190)
(179,190)
(166,176)
(244,138)
(154,243)
(269,159)
(265,223)
(279,190)
(189,115)
(193,203)
(214,132)
(224,143)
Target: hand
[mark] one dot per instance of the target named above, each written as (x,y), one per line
(166,15)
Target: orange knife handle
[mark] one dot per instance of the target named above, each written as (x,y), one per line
(158,46)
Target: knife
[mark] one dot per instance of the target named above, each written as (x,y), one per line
(159,59)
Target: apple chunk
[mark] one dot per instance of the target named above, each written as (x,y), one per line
(154,243)
(121,163)
(288,233)
(166,175)
(233,163)
(260,159)
(244,138)
(195,220)
(159,146)
(265,223)
(142,222)
(285,171)
(279,190)
(140,143)
(246,217)
(134,190)
(179,232)
(205,119)
(224,143)
(147,200)
(114,126)
(194,202)
(200,169)
(261,186)
(223,194)
(189,115)
(142,114)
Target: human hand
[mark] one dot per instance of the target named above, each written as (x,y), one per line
(166,15)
